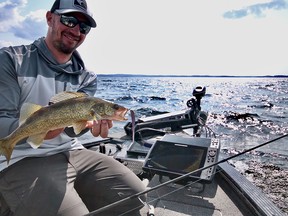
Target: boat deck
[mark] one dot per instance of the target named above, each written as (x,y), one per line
(229,193)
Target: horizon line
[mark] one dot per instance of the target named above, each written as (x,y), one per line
(167,75)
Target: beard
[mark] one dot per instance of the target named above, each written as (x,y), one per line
(63,45)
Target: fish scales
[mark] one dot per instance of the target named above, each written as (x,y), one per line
(74,112)
(57,116)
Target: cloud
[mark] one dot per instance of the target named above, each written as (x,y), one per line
(5,43)
(28,27)
(33,26)
(256,9)
(8,15)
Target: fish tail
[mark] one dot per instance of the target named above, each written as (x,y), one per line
(6,149)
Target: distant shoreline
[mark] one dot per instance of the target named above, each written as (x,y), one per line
(202,76)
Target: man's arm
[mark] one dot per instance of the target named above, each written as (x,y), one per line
(9,94)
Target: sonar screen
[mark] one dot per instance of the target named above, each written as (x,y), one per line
(173,156)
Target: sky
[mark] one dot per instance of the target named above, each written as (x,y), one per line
(168,37)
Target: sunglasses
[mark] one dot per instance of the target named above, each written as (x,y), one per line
(71,22)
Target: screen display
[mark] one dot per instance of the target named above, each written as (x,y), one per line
(176,158)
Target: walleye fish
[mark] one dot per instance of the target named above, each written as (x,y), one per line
(66,109)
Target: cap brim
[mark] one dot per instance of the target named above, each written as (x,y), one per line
(90,18)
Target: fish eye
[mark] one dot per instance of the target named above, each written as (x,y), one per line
(116,106)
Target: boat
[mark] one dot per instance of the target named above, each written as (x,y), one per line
(202,185)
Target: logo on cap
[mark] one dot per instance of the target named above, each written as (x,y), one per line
(81,3)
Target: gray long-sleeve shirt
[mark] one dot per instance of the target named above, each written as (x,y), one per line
(31,74)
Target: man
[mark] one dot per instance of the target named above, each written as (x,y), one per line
(61,177)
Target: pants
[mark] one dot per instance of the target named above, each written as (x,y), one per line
(71,183)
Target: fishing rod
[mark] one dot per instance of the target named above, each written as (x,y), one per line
(180,178)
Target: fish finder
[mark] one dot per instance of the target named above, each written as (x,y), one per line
(173,156)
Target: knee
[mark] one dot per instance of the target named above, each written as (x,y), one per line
(140,189)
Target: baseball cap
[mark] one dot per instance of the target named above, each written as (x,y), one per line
(70,6)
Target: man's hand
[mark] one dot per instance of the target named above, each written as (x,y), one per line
(53,133)
(100,128)
(97,128)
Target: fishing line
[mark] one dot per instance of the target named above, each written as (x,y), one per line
(132,113)
(180,177)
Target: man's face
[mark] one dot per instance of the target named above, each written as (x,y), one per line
(64,38)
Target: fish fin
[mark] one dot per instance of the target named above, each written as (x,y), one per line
(6,149)
(65,96)
(96,117)
(36,140)
(79,127)
(27,110)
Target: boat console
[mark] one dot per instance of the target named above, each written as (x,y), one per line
(171,144)
(193,117)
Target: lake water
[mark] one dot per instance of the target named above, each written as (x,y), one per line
(243,112)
